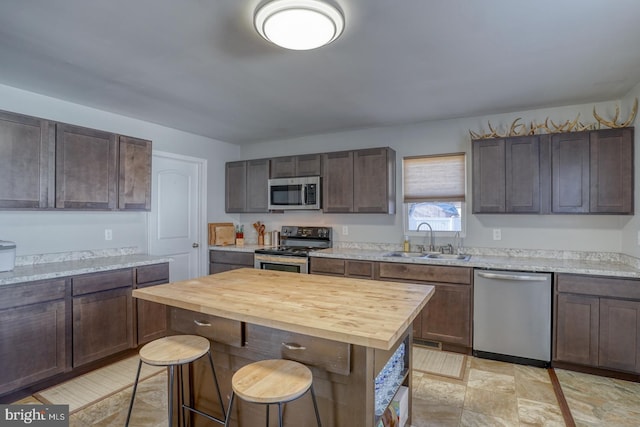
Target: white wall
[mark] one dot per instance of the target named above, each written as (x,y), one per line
(39,232)
(568,232)
(630,233)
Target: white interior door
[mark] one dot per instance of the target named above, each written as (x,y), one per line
(176,223)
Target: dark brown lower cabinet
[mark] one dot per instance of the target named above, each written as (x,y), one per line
(619,335)
(577,329)
(151,317)
(33,336)
(220,261)
(102,315)
(597,322)
(447,316)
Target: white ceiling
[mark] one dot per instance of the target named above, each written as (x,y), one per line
(199,65)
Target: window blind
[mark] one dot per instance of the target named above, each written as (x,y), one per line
(434,178)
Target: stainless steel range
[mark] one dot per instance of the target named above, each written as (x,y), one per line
(292,252)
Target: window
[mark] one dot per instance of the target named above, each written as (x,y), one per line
(434,192)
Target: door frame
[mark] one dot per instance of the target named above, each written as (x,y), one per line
(201,210)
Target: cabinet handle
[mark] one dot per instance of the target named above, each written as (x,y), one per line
(293,346)
(201,323)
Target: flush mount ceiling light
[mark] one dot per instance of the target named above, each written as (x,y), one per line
(299,24)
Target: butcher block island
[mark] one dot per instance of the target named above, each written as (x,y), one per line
(354,334)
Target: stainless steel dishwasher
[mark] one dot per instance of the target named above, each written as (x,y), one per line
(512,316)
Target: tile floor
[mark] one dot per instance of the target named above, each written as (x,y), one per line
(490,394)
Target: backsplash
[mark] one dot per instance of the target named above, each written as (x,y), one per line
(74,255)
(610,257)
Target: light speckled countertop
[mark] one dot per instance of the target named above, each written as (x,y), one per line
(520,263)
(592,263)
(74,267)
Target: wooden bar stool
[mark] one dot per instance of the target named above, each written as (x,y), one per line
(275,381)
(172,351)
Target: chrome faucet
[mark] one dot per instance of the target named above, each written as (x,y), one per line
(432,245)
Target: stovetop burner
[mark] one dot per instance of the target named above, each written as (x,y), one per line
(299,241)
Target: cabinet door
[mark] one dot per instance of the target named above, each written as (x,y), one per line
(26,162)
(257,185)
(522,175)
(447,315)
(577,326)
(612,171)
(489,176)
(309,165)
(235,186)
(151,317)
(337,182)
(85,168)
(372,181)
(134,183)
(33,346)
(570,172)
(619,335)
(102,325)
(283,167)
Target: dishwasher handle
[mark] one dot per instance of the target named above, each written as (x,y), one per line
(521,277)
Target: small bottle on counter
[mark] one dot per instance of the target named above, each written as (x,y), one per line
(407,246)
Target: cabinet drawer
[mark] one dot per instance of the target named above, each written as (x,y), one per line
(32,293)
(425,273)
(332,356)
(97,282)
(228,257)
(327,266)
(215,328)
(360,269)
(152,273)
(601,286)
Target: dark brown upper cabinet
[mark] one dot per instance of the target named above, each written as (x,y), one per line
(134,180)
(570,172)
(86,165)
(246,186)
(589,172)
(611,171)
(360,181)
(506,175)
(292,166)
(26,162)
(47,165)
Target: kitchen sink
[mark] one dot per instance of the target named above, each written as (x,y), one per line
(405,254)
(460,257)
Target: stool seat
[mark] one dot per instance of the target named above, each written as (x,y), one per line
(272,381)
(174,350)
(177,351)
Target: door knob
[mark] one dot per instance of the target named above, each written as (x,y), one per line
(195,245)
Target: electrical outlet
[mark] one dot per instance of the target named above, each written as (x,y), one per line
(345,230)
(638,238)
(497,234)
(108,234)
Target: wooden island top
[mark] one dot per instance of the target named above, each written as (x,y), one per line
(357,311)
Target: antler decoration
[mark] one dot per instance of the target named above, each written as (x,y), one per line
(613,124)
(519,129)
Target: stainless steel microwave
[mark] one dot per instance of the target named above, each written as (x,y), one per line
(294,193)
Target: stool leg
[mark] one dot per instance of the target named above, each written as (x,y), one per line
(227,420)
(280,414)
(133,395)
(315,406)
(268,415)
(170,397)
(182,404)
(215,379)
